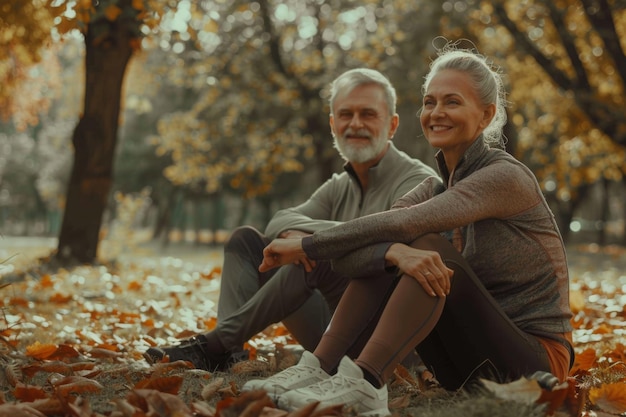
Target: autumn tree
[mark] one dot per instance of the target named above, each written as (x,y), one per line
(111,30)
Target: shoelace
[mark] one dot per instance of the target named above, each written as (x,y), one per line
(297,370)
(331,384)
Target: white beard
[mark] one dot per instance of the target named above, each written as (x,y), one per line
(360,154)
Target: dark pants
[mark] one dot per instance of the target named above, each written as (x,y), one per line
(249,301)
(460,337)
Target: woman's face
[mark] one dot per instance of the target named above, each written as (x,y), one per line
(452,115)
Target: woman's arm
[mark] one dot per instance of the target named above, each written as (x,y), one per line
(497,191)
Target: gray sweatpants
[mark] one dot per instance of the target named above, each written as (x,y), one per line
(250,301)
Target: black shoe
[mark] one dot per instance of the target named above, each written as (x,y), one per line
(194,350)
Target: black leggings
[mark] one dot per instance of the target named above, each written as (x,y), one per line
(460,337)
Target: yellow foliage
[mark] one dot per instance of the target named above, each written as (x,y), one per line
(555,136)
(211,26)
(112,12)
(138,5)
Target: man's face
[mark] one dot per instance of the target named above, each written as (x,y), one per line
(361,123)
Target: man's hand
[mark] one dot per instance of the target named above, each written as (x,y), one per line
(423,265)
(282,252)
(308,264)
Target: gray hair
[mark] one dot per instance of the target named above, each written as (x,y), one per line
(487,82)
(353,78)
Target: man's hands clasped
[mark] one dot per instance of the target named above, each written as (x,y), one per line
(287,249)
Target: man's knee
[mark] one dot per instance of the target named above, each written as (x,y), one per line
(243,239)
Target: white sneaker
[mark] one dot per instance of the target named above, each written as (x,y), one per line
(347,387)
(308,371)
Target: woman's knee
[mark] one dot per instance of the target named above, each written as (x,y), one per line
(434,242)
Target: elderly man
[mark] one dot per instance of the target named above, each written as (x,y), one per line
(363,121)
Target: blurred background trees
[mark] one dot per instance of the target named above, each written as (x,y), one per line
(216,111)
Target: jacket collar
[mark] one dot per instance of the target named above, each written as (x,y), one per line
(467,163)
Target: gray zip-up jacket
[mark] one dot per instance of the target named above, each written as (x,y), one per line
(509,235)
(341,197)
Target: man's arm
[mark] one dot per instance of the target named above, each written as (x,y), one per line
(308,217)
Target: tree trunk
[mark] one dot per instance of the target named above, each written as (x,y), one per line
(94,141)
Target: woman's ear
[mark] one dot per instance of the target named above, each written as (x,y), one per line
(488,114)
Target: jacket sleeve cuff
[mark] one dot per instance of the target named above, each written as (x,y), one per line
(309,247)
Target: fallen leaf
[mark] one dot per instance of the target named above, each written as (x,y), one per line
(41,351)
(202,409)
(28,393)
(163,404)
(247,367)
(400,402)
(211,388)
(404,377)
(64,351)
(76,385)
(167,384)
(584,361)
(523,390)
(610,397)
(19,410)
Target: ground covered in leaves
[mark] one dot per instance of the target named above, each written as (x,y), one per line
(71,344)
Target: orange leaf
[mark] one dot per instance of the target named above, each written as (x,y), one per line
(64,351)
(82,366)
(603,328)
(19,301)
(167,384)
(213,273)
(210,323)
(59,298)
(280,330)
(186,334)
(56,367)
(610,397)
(76,384)
(46,281)
(99,352)
(134,285)
(165,366)
(28,393)
(40,351)
(584,361)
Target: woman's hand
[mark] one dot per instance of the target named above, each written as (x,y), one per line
(423,265)
(282,252)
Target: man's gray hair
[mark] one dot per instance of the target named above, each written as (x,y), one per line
(353,78)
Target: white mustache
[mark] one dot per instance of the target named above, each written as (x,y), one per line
(360,133)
